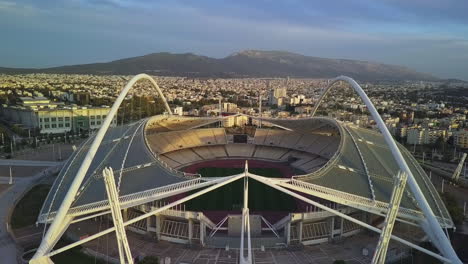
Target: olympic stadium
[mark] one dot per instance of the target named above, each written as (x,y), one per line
(244,182)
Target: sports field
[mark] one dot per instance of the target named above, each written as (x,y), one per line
(230,197)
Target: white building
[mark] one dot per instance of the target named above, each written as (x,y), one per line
(53,117)
(422,136)
(460,138)
(179,111)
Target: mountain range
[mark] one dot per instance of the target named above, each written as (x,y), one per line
(248,63)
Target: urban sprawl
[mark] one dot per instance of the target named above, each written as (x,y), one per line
(429,117)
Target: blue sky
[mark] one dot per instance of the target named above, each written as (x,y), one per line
(426,35)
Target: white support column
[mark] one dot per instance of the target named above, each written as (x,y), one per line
(433,227)
(202,233)
(287,233)
(148,224)
(299,230)
(125,214)
(245,223)
(158,226)
(190,230)
(341,227)
(332,226)
(113,196)
(394,205)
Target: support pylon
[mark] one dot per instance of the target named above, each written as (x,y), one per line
(393,206)
(122,242)
(456,174)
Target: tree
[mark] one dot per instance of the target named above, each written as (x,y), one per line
(149,260)
(455,212)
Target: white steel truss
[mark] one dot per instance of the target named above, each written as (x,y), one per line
(394,204)
(135,199)
(112,194)
(46,256)
(57,227)
(355,201)
(64,216)
(345,216)
(432,228)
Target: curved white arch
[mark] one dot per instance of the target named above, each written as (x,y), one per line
(430,224)
(61,222)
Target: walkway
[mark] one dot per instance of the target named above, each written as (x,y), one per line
(8,248)
(28,163)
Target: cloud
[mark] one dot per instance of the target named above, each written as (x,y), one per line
(80,31)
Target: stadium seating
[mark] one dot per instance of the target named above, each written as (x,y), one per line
(170,141)
(172,123)
(183,156)
(240,150)
(274,137)
(205,153)
(290,140)
(260,135)
(313,143)
(170,162)
(179,148)
(273,153)
(220,135)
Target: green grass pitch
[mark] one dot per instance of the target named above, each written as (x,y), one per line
(230,196)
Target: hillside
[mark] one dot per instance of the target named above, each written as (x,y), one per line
(250,63)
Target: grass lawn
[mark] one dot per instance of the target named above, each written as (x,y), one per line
(230,197)
(27,210)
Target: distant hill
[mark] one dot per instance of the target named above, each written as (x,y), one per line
(249,63)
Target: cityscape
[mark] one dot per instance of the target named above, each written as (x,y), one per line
(274,153)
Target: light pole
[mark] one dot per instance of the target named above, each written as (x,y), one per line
(11,177)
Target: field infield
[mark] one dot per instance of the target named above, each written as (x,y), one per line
(229,199)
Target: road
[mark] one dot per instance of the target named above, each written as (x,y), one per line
(7,199)
(28,163)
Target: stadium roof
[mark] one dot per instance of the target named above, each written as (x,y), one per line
(359,174)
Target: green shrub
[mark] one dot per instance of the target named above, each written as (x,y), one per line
(455,211)
(149,260)
(27,209)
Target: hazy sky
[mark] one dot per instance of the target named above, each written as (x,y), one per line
(427,35)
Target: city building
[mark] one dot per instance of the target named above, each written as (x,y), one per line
(423,136)
(277,95)
(54,117)
(460,138)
